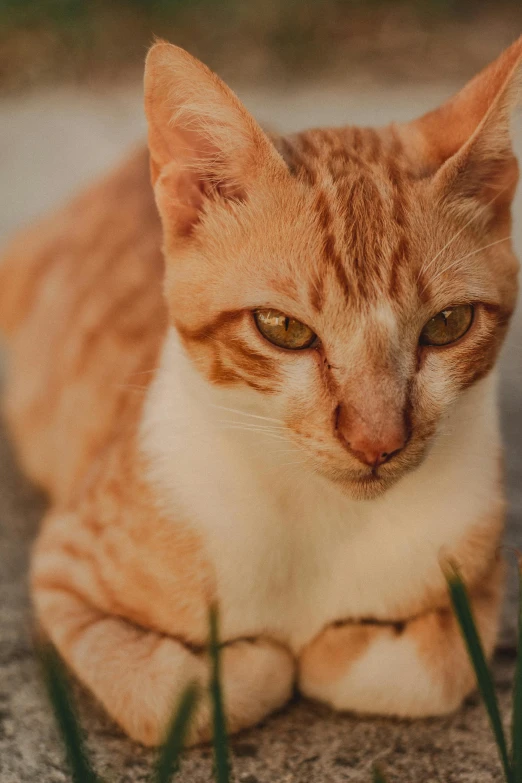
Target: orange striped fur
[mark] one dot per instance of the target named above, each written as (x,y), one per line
(311,493)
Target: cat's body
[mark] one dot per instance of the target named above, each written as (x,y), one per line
(64,413)
(175,462)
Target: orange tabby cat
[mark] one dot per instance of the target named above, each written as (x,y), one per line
(293,414)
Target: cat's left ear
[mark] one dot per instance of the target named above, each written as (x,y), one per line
(466,143)
(203,143)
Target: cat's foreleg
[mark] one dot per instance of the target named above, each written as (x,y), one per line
(139,674)
(412,669)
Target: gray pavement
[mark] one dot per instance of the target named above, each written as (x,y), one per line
(50,144)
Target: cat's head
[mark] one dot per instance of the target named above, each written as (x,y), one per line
(347,284)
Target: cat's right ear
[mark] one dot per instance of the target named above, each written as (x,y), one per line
(203,143)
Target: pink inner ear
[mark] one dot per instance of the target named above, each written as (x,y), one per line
(179,195)
(190,189)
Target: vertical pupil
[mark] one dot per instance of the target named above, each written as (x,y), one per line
(287,323)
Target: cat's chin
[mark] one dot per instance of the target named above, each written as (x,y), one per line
(360,487)
(369,487)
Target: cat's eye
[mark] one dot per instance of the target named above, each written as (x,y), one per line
(284,331)
(447,326)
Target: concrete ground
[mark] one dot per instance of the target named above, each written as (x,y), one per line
(50,144)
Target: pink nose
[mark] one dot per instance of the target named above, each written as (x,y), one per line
(376,452)
(366,446)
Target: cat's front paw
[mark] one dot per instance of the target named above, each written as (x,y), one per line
(257,678)
(414,669)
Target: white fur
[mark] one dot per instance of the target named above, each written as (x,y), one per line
(389,679)
(291,551)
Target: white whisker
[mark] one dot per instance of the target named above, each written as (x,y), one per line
(463,258)
(425,267)
(268,433)
(131,387)
(145,372)
(244,413)
(270,427)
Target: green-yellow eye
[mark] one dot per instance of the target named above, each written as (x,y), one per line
(447,326)
(282,330)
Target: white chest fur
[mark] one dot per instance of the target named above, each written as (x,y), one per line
(291,552)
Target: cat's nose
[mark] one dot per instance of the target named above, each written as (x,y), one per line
(376,452)
(371,446)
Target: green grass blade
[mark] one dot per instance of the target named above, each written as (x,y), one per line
(463,613)
(516,726)
(378,777)
(170,752)
(60,696)
(220,741)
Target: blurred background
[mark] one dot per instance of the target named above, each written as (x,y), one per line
(44,41)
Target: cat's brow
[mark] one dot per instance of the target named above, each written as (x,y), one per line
(424,268)
(463,258)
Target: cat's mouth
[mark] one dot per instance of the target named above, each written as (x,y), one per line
(365,482)
(371,485)
(361,485)
(375,481)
